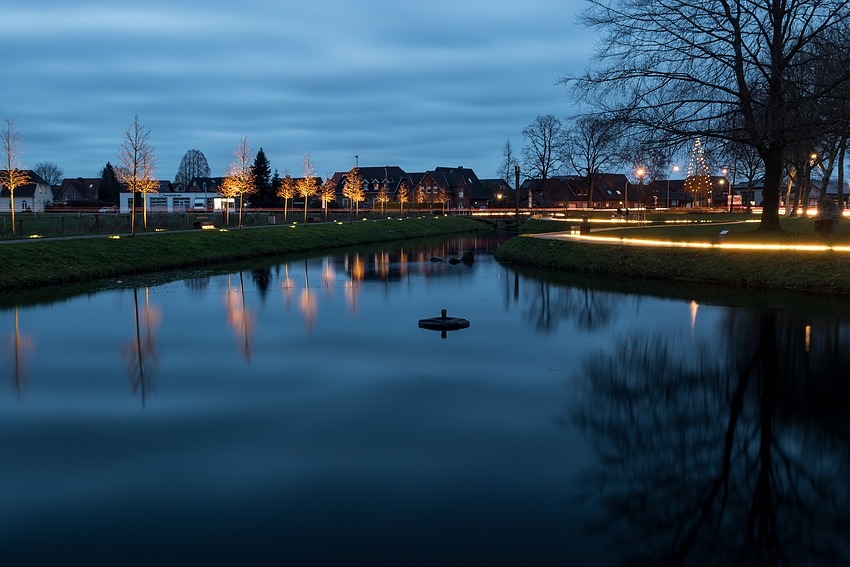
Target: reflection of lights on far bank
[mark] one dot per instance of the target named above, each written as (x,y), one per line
(808,337)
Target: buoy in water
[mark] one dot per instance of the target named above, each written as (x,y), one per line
(443,323)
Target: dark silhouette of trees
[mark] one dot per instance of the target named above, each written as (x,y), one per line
(723,69)
(192,165)
(109,189)
(591,144)
(263,191)
(542,150)
(737,458)
(50,172)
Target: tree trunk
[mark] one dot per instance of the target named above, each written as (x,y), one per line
(842,149)
(772,178)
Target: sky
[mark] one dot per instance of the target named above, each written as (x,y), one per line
(413,84)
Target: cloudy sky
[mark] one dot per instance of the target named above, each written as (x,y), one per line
(413,84)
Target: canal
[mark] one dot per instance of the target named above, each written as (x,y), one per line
(293,412)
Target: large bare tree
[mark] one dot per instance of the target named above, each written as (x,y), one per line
(723,69)
(49,171)
(193,164)
(137,169)
(592,143)
(542,150)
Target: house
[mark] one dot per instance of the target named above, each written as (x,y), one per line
(610,190)
(31,197)
(449,188)
(77,190)
(496,194)
(375,178)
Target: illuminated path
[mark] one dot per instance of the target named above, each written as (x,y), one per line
(626,241)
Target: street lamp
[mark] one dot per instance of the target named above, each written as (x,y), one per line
(499,199)
(640,172)
(675,169)
(729,193)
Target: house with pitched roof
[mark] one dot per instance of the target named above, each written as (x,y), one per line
(76,190)
(496,194)
(31,197)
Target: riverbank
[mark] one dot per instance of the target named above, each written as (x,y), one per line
(36,263)
(824,272)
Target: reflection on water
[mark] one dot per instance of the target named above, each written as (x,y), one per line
(141,352)
(240,319)
(19,347)
(733,450)
(698,430)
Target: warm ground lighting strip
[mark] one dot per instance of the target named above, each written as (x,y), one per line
(702,245)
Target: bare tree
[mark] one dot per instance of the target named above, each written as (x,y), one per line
(542,151)
(12,177)
(50,172)
(193,165)
(506,168)
(402,195)
(136,171)
(286,191)
(239,180)
(353,189)
(592,143)
(721,69)
(327,193)
(308,185)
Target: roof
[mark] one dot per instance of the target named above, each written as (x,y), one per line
(78,188)
(28,189)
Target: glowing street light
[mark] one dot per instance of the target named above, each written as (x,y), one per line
(676,168)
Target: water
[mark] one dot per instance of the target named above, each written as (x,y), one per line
(294,413)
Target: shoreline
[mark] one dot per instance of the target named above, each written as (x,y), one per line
(823,272)
(34,264)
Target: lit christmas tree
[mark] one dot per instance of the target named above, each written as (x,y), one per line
(698,180)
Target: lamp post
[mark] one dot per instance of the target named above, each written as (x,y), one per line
(640,172)
(674,170)
(725,171)
(516,173)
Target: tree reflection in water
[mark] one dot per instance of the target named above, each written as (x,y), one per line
(240,319)
(141,351)
(21,347)
(729,452)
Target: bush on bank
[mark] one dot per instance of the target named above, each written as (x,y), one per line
(39,263)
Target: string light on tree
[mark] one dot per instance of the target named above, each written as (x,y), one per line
(698,180)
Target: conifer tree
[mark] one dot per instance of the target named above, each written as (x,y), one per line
(263,194)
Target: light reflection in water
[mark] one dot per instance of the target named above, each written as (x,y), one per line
(141,351)
(680,441)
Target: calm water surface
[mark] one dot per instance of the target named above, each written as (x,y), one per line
(294,413)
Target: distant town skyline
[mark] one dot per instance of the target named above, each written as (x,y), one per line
(419,86)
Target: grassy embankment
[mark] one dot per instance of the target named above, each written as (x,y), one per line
(46,262)
(826,272)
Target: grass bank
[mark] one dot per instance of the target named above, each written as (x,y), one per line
(821,272)
(48,262)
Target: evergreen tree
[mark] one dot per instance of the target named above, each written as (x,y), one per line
(276,179)
(110,188)
(263,194)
